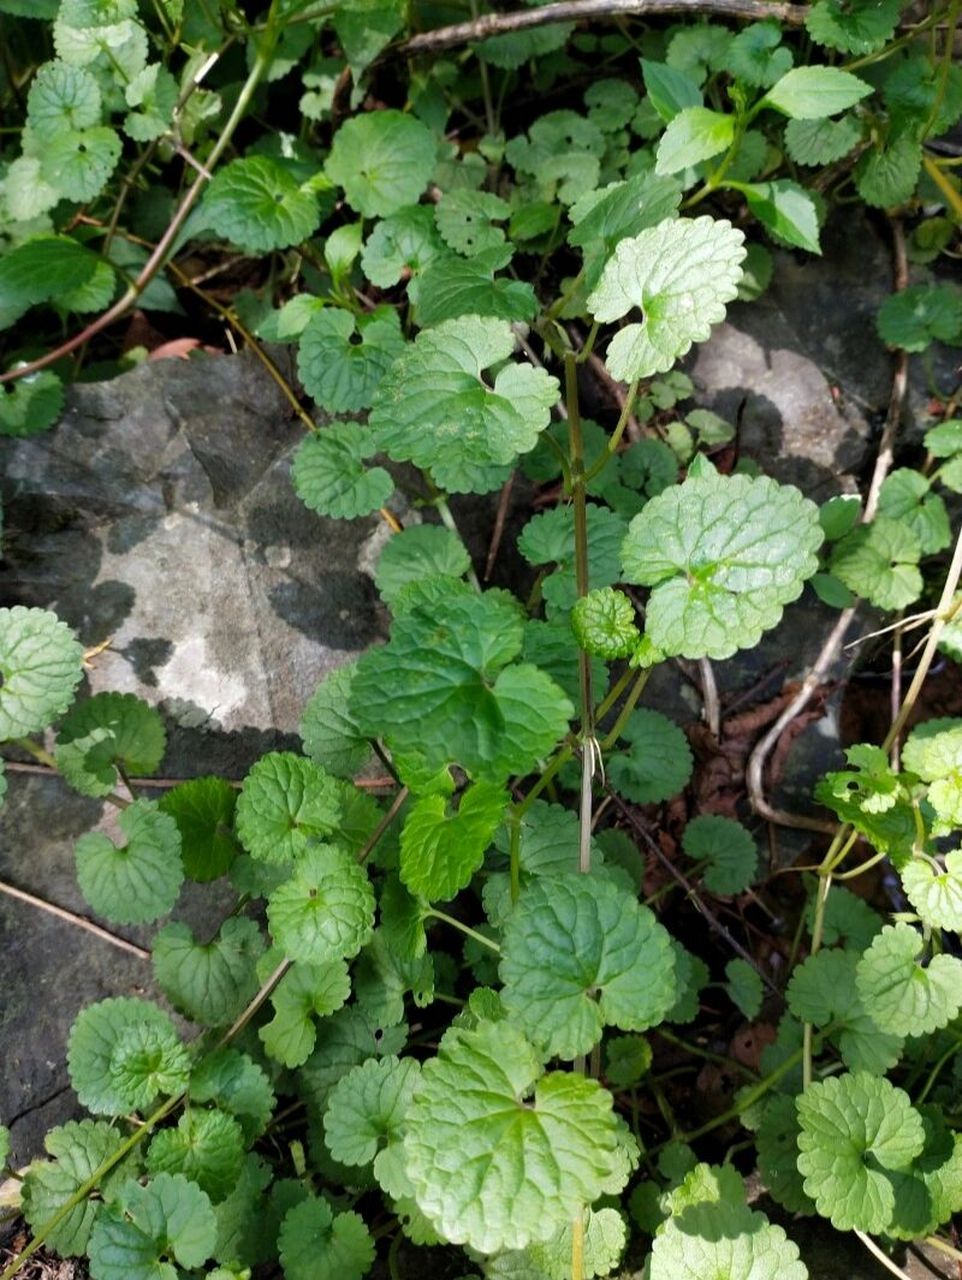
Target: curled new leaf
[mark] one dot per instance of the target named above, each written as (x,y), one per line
(94,1038)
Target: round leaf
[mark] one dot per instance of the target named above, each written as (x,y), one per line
(40,666)
(331,478)
(284,804)
(898,993)
(657,763)
(325,911)
(441,850)
(136,882)
(93,1039)
(256,203)
(316,1244)
(383,160)
(210,982)
(342,358)
(105,731)
(203,809)
(726,849)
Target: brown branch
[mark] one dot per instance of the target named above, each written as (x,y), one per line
(496,24)
(81,922)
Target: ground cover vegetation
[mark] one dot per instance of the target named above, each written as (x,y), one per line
(432,1034)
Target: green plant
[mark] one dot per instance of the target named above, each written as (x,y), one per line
(446,286)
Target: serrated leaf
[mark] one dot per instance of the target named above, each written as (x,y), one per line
(466,220)
(680,273)
(403,243)
(257,205)
(724,555)
(550,538)
(342,358)
(812,93)
(823,991)
(93,1039)
(693,135)
(134,1237)
(604,1237)
(314,1243)
(873,799)
(240,1220)
(756,55)
(915,317)
(31,404)
(887,176)
(657,763)
(79,164)
(148,1060)
(209,982)
(441,847)
(286,802)
(329,732)
(450,287)
(579,954)
(436,390)
(727,1240)
(383,161)
(725,848)
(934,892)
(206,1146)
(854,26)
(880,562)
(136,882)
(40,666)
(329,471)
(818,142)
(418,553)
(668,89)
(62,99)
(776,1141)
(855,1131)
(154,91)
(104,732)
(627,1060)
(366,1109)
(899,994)
(325,911)
(236,1084)
(906,495)
(785,209)
(305,990)
(562,152)
(203,809)
(604,624)
(78,1149)
(473,1128)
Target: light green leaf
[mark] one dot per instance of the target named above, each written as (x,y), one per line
(724,1240)
(726,850)
(210,982)
(108,731)
(79,164)
(785,209)
(604,1237)
(880,562)
(342,358)
(812,93)
(383,160)
(154,91)
(756,55)
(724,555)
(936,894)
(818,142)
(257,205)
(611,104)
(887,176)
(325,911)
(417,554)
(899,994)
(436,392)
(465,220)
(135,1236)
(854,26)
(203,809)
(236,1084)
(206,1146)
(855,1131)
(580,954)
(366,1110)
(823,990)
(669,90)
(330,733)
(31,404)
(441,847)
(562,153)
(305,990)
(329,471)
(148,1060)
(93,1039)
(473,1130)
(316,1244)
(284,804)
(62,99)
(694,135)
(906,495)
(872,797)
(404,242)
(39,269)
(920,315)
(744,987)
(658,762)
(78,1149)
(604,624)
(680,273)
(136,882)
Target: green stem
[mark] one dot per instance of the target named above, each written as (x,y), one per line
(514,854)
(613,734)
(447,519)
(616,435)
(464,928)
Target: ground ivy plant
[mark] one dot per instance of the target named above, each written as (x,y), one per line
(436,1019)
